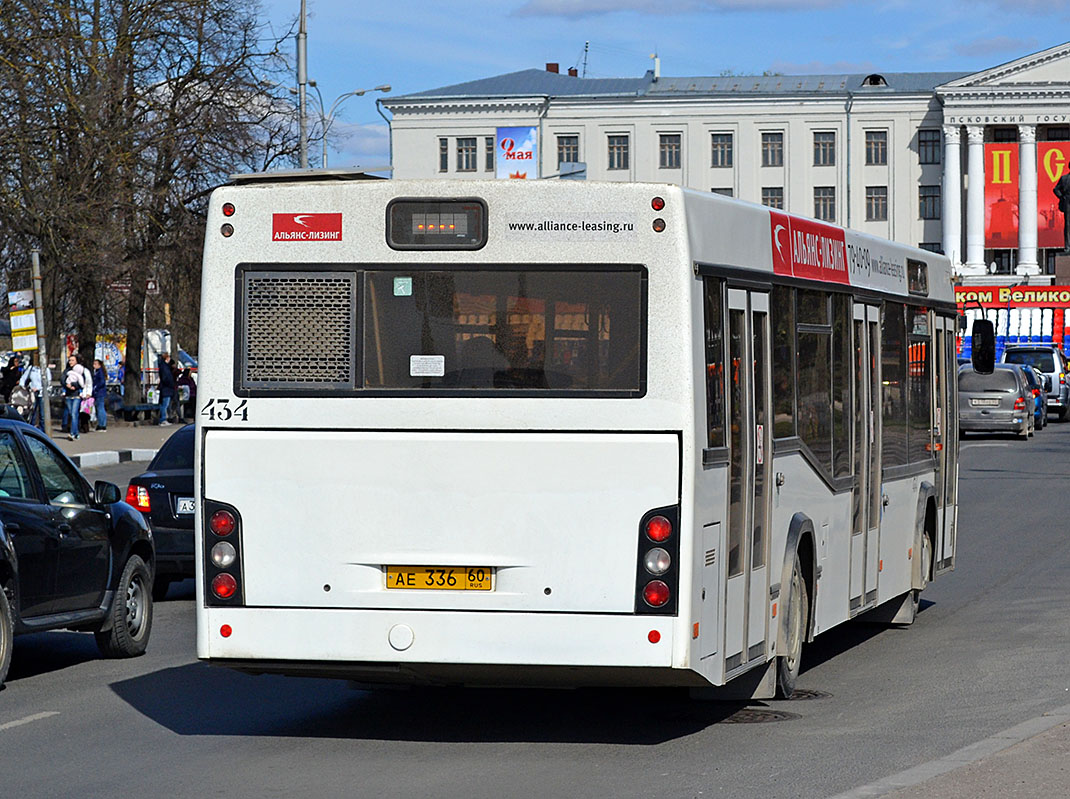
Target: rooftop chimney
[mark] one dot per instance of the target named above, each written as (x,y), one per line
(551,67)
(573,72)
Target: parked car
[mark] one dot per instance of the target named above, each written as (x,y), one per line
(1001,401)
(1036,382)
(164,493)
(1050,362)
(72,556)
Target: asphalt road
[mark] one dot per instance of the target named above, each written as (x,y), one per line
(988,651)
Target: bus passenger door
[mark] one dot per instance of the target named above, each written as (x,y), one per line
(873,493)
(945,439)
(746,589)
(865,457)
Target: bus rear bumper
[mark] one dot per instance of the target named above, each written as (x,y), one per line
(380,646)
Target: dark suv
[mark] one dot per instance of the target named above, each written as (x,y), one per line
(1050,362)
(72,556)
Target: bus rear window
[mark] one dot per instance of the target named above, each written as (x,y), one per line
(464,329)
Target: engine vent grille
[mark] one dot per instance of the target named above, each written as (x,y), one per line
(299,330)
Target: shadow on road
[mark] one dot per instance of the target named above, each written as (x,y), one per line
(845,637)
(41,653)
(200,700)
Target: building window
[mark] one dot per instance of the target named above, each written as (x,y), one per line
(466,154)
(929,146)
(488,148)
(825,148)
(876,148)
(876,203)
(773,197)
(720,150)
(932,246)
(825,203)
(772,149)
(929,202)
(443,155)
(669,151)
(722,192)
(1004,135)
(618,152)
(1058,133)
(568,149)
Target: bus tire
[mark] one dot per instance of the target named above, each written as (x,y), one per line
(7,635)
(130,618)
(787,667)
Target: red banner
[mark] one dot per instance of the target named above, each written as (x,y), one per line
(1053,161)
(1013,296)
(808,249)
(1001,195)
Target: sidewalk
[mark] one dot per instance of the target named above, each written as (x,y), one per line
(1029,760)
(121,442)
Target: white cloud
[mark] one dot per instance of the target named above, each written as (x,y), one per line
(354,144)
(584,8)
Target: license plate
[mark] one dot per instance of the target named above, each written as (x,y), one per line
(439,578)
(984,403)
(186,506)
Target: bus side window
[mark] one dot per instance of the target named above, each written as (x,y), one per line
(782,307)
(713,304)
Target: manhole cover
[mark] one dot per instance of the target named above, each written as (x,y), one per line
(806,693)
(757,715)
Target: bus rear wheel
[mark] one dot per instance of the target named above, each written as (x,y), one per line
(787,667)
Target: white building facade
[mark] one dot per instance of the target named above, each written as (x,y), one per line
(898,155)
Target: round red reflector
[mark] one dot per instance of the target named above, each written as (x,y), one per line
(228,209)
(656,593)
(224,586)
(659,225)
(657,203)
(227,230)
(223,523)
(653,636)
(658,529)
(225,631)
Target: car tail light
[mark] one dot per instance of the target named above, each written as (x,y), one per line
(138,496)
(222,523)
(1019,404)
(1036,392)
(657,574)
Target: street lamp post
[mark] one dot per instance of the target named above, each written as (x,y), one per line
(326,119)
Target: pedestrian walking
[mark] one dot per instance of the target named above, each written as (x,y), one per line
(167,386)
(74,383)
(9,376)
(100,394)
(38,386)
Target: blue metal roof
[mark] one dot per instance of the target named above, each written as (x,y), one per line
(537,82)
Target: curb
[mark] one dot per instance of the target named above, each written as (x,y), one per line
(971,753)
(87,460)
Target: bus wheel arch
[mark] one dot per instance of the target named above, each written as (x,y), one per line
(798,590)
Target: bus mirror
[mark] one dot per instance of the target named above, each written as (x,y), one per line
(984,346)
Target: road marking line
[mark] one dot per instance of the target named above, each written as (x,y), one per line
(35,717)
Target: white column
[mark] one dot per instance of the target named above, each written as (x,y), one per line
(975,202)
(952,197)
(1027,201)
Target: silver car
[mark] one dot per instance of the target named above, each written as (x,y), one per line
(999,402)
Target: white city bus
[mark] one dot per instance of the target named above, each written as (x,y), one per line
(560,432)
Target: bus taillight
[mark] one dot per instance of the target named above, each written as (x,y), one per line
(222,555)
(222,523)
(224,585)
(657,572)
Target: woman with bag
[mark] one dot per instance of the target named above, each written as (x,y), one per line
(74,385)
(100,395)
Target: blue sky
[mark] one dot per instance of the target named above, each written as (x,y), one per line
(422,44)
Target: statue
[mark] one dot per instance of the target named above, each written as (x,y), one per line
(1062,191)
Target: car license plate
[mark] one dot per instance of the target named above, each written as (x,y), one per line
(186,506)
(984,403)
(439,578)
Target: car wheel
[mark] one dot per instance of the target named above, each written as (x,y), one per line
(131,613)
(7,635)
(787,667)
(159,588)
